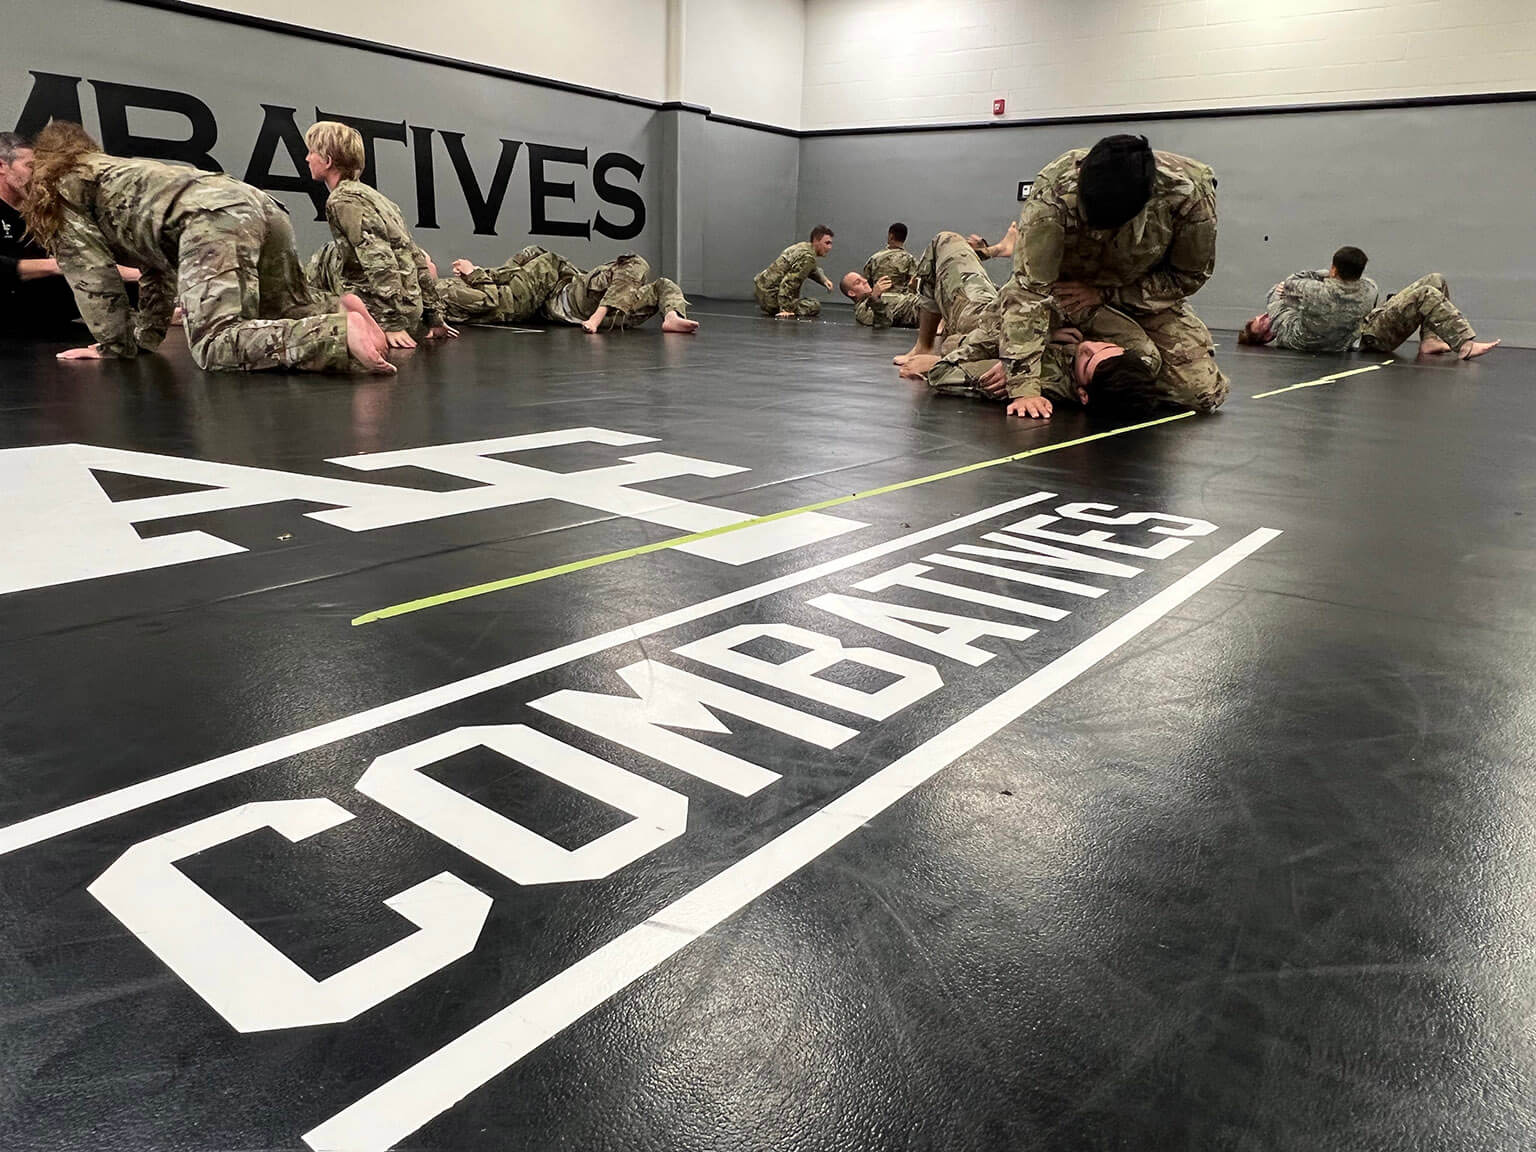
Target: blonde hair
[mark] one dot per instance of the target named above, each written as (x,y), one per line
(339,143)
(55,152)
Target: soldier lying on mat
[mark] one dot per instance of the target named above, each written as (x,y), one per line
(1333,311)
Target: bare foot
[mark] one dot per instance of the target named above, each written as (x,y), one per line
(1472,348)
(676,323)
(1433,346)
(361,344)
(918,349)
(353,304)
(917,367)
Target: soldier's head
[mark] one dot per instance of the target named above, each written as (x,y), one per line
(1259,330)
(55,152)
(15,167)
(821,239)
(335,151)
(1115,380)
(854,286)
(1114,181)
(896,235)
(1349,263)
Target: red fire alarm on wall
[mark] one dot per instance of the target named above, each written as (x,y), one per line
(999,106)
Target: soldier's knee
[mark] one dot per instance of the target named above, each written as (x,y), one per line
(809,307)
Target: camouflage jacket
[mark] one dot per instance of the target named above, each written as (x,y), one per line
(380,261)
(1316,312)
(892,308)
(1166,252)
(897,263)
(790,269)
(122,211)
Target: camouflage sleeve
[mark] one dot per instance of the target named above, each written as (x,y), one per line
(1304,288)
(89,266)
(872,313)
(794,278)
(357,225)
(962,369)
(431,299)
(1042,240)
(868,271)
(157,302)
(1190,260)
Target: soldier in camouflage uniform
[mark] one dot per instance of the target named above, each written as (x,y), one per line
(877,305)
(378,260)
(1318,312)
(223,248)
(954,293)
(893,262)
(509,294)
(777,287)
(1116,226)
(618,294)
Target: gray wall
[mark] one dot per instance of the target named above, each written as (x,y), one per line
(1445,189)
(750,179)
(234,70)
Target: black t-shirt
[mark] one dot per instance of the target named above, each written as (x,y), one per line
(42,306)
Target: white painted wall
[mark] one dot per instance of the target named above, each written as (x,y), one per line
(871,62)
(615,45)
(745,58)
(742,58)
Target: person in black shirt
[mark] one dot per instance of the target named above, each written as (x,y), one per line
(35,300)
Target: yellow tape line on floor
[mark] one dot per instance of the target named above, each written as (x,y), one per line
(659,545)
(1323,380)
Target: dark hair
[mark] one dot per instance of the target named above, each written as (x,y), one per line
(819,231)
(1125,385)
(1350,262)
(898,232)
(10,144)
(1114,181)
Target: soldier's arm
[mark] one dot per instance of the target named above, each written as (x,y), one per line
(88,264)
(431,298)
(794,277)
(1184,269)
(355,223)
(872,311)
(157,302)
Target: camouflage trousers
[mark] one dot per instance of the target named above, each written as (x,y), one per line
(952,282)
(506,295)
(768,301)
(623,286)
(1424,307)
(243,293)
(1190,376)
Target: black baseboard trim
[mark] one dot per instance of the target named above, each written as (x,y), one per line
(1184,114)
(203,12)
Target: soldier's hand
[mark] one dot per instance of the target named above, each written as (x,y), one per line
(1035,407)
(462,268)
(91,352)
(1077,299)
(129,275)
(785,316)
(399,340)
(880,287)
(442,332)
(994,381)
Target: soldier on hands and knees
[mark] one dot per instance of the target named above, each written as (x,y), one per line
(379,262)
(1333,311)
(1115,227)
(225,248)
(777,287)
